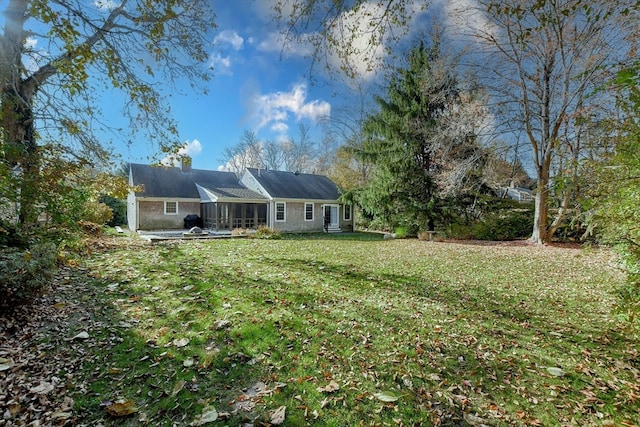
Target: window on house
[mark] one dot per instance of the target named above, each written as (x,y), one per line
(171,208)
(308,211)
(281,211)
(347,212)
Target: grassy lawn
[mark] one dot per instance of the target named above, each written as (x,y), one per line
(353,330)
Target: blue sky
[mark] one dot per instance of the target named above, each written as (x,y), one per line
(257,86)
(261,85)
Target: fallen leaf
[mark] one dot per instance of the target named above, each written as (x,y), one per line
(178,387)
(122,408)
(221,324)
(6,364)
(434,377)
(43,388)
(406,380)
(181,342)
(278,415)
(81,336)
(556,372)
(14,409)
(62,415)
(386,397)
(474,420)
(209,415)
(329,388)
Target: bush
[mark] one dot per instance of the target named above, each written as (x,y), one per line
(401,232)
(239,231)
(91,228)
(628,294)
(118,208)
(505,225)
(98,213)
(25,273)
(12,235)
(264,232)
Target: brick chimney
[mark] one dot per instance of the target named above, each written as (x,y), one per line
(186,163)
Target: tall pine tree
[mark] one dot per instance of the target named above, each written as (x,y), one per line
(423,142)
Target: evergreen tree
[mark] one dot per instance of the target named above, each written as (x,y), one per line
(421,148)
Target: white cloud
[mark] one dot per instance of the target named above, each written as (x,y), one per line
(354,30)
(462,17)
(280,127)
(30,42)
(106,4)
(220,64)
(275,109)
(190,149)
(361,57)
(35,57)
(277,42)
(230,38)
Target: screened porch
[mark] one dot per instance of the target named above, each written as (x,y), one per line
(219,216)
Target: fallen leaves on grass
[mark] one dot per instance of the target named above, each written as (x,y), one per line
(181,342)
(122,408)
(329,388)
(35,350)
(43,388)
(464,341)
(6,364)
(178,388)
(556,372)
(386,397)
(84,335)
(209,415)
(277,416)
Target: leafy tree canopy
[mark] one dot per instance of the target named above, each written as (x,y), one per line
(55,56)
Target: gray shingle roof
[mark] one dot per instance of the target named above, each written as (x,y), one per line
(290,185)
(172,182)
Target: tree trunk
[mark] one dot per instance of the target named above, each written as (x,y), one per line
(540,233)
(21,148)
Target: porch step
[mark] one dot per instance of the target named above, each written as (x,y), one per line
(334,229)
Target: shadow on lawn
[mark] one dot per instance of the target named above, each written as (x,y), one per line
(538,323)
(141,351)
(171,382)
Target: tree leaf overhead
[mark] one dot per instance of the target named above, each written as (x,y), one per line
(55,56)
